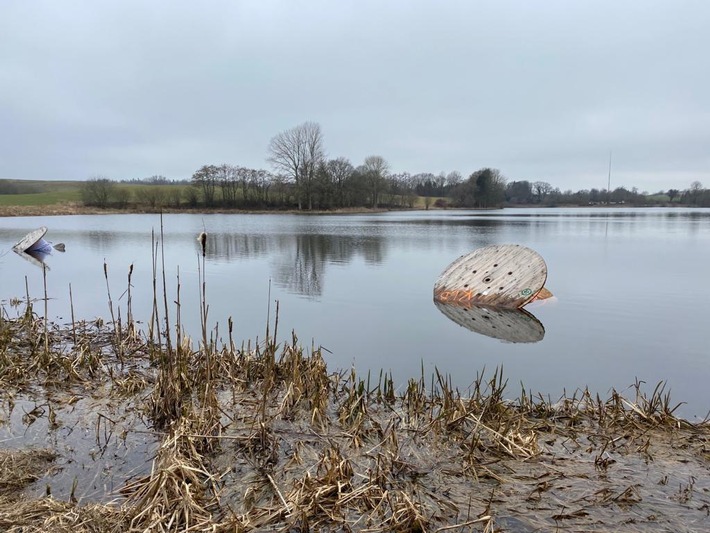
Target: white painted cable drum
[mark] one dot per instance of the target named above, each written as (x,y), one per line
(30,240)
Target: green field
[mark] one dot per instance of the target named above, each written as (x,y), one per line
(661,199)
(23,193)
(37,193)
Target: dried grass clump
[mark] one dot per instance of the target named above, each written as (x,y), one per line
(47,514)
(307,383)
(178,495)
(18,468)
(32,351)
(19,514)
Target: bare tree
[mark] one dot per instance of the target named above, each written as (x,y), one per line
(205,179)
(243,177)
(453,179)
(440,182)
(400,188)
(98,191)
(376,170)
(339,170)
(297,153)
(227,180)
(410,185)
(693,194)
(541,189)
(280,185)
(260,181)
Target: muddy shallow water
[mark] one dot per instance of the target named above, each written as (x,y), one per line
(101,442)
(273,440)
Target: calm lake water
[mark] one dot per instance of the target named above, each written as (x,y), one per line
(631,286)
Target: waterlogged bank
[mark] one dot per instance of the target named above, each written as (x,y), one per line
(107,429)
(361,286)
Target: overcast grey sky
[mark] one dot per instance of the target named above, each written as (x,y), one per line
(540,90)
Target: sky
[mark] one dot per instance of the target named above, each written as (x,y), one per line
(543,91)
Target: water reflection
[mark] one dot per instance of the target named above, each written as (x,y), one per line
(509,325)
(299,261)
(35,257)
(229,247)
(479,221)
(300,266)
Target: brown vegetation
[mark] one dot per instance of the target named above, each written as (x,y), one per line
(268,439)
(106,427)
(78,209)
(46,210)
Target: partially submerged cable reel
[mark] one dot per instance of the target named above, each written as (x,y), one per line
(35,249)
(486,289)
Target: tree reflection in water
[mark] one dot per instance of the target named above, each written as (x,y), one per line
(300,259)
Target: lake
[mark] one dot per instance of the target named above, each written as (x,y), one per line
(631,287)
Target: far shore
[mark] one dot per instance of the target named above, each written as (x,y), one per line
(78,209)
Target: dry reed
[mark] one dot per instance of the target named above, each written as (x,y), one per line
(266,437)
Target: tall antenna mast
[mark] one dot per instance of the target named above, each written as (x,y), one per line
(608,183)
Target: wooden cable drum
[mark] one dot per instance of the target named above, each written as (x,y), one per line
(502,275)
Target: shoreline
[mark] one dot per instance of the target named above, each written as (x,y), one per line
(268,438)
(71,209)
(75,209)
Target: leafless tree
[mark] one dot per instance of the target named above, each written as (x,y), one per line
(297,153)
(400,188)
(541,189)
(205,179)
(280,185)
(260,181)
(376,171)
(694,193)
(339,170)
(453,179)
(243,175)
(226,178)
(440,182)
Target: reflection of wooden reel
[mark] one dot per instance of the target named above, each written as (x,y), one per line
(485,290)
(511,325)
(503,276)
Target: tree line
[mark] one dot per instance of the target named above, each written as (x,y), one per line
(302,177)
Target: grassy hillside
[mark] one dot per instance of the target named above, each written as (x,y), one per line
(23,193)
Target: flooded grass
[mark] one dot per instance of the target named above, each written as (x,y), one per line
(104,427)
